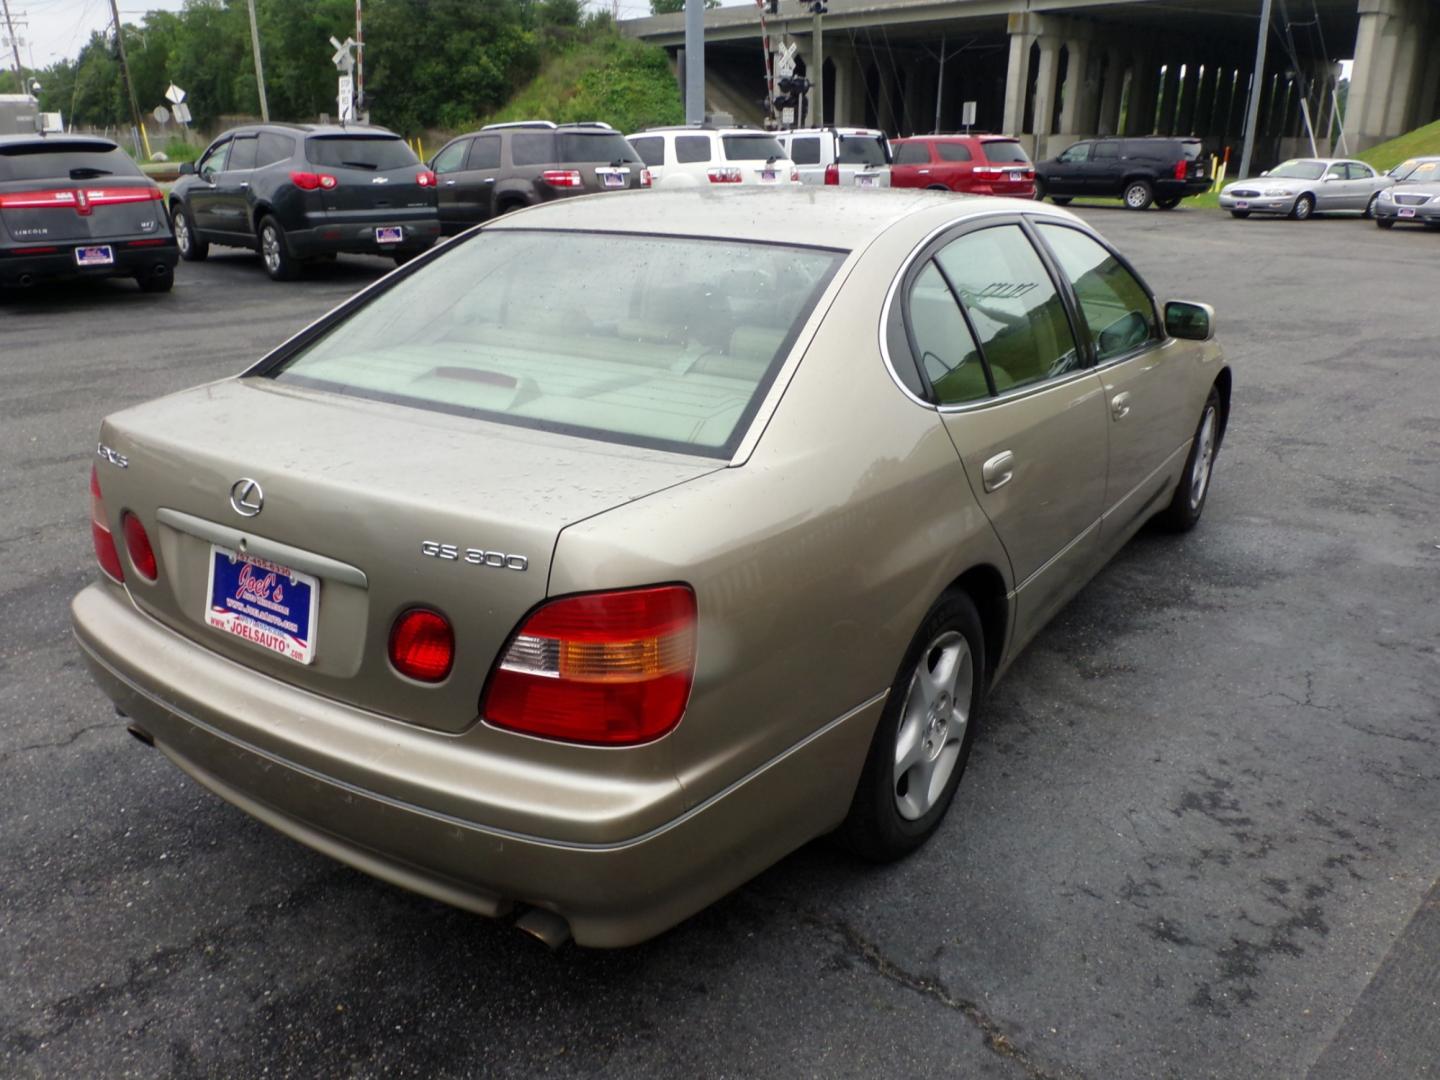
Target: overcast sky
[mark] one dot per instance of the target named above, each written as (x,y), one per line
(58,28)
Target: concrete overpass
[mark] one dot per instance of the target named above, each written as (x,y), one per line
(1052,71)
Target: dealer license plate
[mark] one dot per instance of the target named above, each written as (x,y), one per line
(612,179)
(1241,204)
(864,181)
(103,255)
(389,234)
(1016,177)
(264,603)
(768,176)
(1407,211)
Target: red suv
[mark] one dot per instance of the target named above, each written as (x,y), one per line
(975,164)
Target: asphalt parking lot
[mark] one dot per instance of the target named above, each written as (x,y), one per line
(1200,835)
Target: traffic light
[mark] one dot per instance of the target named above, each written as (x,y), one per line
(772,7)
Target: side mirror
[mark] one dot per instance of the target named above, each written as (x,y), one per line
(1191,321)
(187,168)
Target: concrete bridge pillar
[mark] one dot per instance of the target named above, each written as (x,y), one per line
(1017,75)
(1045,86)
(1108,121)
(1079,89)
(1376,74)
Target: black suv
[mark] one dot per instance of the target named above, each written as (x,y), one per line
(1154,169)
(301,192)
(503,167)
(73,206)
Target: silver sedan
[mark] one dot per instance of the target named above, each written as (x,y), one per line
(1415,201)
(1304,186)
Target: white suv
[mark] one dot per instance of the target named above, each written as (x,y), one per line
(848,157)
(697,156)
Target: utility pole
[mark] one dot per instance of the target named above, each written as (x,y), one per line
(359,65)
(694,61)
(125,71)
(1257,81)
(14,44)
(259,67)
(817,80)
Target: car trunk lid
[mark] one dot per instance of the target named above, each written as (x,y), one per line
(373,173)
(388,509)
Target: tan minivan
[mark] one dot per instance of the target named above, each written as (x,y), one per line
(591,563)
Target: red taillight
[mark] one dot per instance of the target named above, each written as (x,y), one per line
(1180,169)
(77,199)
(794,176)
(726,174)
(309,181)
(105,553)
(425,178)
(566,178)
(422,645)
(646,180)
(832,174)
(608,669)
(137,544)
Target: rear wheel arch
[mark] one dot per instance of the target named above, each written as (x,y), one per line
(1223,382)
(258,214)
(986,587)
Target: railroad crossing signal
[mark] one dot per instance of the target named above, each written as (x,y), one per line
(343,59)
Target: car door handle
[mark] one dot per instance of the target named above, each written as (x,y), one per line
(1120,405)
(449,183)
(244,185)
(488,180)
(924,172)
(998,471)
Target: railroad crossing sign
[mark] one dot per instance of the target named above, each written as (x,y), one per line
(785,61)
(343,59)
(174,95)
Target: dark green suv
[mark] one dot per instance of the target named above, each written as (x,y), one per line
(503,167)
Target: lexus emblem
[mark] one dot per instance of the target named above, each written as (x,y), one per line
(246,497)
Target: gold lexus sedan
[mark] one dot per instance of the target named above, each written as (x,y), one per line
(589,564)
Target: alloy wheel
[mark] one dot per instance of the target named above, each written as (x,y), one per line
(182,234)
(1204,459)
(270,248)
(932,724)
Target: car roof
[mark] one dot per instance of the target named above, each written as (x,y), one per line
(808,215)
(703,129)
(836,130)
(313,129)
(958,136)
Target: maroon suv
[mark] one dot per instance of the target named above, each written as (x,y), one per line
(975,164)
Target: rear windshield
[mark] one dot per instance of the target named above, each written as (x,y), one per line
(751,147)
(1004,152)
(601,148)
(863,150)
(670,343)
(1299,170)
(57,159)
(374,152)
(1191,150)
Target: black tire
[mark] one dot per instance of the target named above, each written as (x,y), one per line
(192,248)
(157,283)
(1061,200)
(1138,195)
(1370,206)
(275,251)
(1241,214)
(403,257)
(876,828)
(508,205)
(1384,223)
(937,187)
(1168,203)
(1303,208)
(1185,508)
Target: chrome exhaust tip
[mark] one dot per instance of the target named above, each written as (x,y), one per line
(544,926)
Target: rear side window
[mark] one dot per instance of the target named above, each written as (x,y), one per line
(1151,150)
(673,346)
(484,153)
(373,152)
(751,147)
(532,148)
(651,149)
(692,148)
(950,151)
(1106,151)
(273,148)
(601,148)
(1013,304)
(60,159)
(863,150)
(805,150)
(912,153)
(1005,152)
(242,153)
(1117,308)
(947,351)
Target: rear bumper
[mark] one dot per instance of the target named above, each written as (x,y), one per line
(61,266)
(354,234)
(355,786)
(1170,188)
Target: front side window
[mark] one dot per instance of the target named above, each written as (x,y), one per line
(1336,172)
(1076,154)
(692,148)
(751,148)
(214,161)
(1118,310)
(242,154)
(912,153)
(452,158)
(805,150)
(672,347)
(651,149)
(950,151)
(1013,305)
(943,342)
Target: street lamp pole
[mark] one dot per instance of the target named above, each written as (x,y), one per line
(259,67)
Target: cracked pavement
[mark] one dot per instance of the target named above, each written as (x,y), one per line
(1201,815)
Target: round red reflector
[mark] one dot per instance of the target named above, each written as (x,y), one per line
(137,543)
(422,645)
